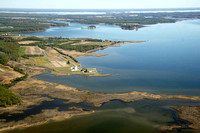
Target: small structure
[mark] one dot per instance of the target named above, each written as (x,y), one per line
(74,68)
(84,70)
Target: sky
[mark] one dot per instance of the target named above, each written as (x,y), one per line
(98,4)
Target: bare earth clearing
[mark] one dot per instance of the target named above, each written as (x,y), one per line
(34,50)
(27,42)
(7,75)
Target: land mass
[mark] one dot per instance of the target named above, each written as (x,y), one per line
(22,57)
(37,55)
(38,22)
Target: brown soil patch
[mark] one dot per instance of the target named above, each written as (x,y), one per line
(7,75)
(27,42)
(34,50)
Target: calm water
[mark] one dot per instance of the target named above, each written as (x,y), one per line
(118,117)
(168,63)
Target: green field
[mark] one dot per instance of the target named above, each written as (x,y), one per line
(22,51)
(41,60)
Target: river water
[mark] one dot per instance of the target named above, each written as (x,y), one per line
(168,63)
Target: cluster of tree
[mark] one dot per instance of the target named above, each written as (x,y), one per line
(22,25)
(81,48)
(116,21)
(32,38)
(74,59)
(26,25)
(112,18)
(7,39)
(7,97)
(8,51)
(94,40)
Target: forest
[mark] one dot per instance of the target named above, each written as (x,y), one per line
(26,25)
(8,51)
(7,97)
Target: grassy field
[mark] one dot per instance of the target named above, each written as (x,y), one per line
(6,75)
(63,69)
(22,51)
(41,60)
(68,70)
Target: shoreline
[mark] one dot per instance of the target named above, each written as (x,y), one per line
(53,53)
(32,91)
(188,113)
(55,115)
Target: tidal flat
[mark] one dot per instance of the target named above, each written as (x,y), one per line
(34,92)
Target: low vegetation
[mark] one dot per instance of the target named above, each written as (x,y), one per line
(32,38)
(22,51)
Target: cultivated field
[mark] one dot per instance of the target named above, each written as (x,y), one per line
(34,50)
(27,42)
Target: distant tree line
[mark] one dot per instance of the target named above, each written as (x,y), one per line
(26,25)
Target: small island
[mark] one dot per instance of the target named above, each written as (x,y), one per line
(89,27)
(131,26)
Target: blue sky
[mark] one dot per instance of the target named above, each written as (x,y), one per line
(98,4)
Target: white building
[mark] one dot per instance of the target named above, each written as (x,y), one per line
(74,68)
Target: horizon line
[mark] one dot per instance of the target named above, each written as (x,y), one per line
(100,8)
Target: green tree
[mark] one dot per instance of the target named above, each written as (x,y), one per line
(7,97)
(3,58)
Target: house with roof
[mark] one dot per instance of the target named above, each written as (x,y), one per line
(84,70)
(74,68)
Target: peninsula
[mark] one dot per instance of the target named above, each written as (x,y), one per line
(37,55)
